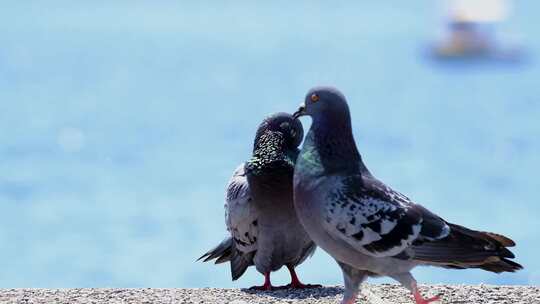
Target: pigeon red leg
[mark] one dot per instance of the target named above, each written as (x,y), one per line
(418,297)
(267,286)
(407,280)
(420,300)
(352,278)
(295,282)
(349,301)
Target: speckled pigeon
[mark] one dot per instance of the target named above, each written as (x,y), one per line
(367,227)
(259,210)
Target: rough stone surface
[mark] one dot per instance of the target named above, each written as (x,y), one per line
(371,294)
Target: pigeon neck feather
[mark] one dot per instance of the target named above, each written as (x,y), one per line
(332,136)
(270,153)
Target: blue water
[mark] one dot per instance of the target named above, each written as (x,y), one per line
(122,122)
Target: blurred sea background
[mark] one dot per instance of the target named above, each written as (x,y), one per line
(122,121)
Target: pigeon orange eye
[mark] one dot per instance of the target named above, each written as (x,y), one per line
(314,97)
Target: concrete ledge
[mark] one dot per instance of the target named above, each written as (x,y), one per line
(371,294)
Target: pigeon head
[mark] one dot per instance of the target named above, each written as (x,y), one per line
(330,136)
(323,103)
(276,145)
(280,125)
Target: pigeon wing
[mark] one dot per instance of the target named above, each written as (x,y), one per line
(240,214)
(376,220)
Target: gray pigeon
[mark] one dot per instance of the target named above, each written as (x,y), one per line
(259,210)
(368,228)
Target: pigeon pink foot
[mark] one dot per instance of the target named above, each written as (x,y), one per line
(267,286)
(420,300)
(295,282)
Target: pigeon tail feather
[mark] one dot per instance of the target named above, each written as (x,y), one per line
(504,265)
(240,262)
(465,248)
(222,252)
(226,251)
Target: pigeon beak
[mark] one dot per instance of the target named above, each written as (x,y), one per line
(301,111)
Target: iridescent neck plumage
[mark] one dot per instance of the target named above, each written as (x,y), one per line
(270,152)
(332,136)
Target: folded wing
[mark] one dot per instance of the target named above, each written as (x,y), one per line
(241,221)
(381,222)
(377,220)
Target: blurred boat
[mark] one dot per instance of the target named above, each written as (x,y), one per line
(471,31)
